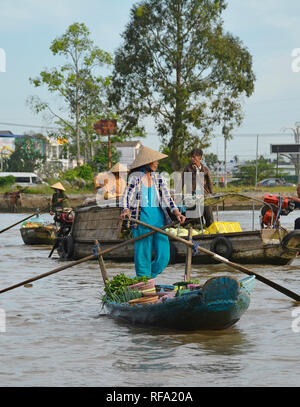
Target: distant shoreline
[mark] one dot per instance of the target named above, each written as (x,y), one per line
(31,202)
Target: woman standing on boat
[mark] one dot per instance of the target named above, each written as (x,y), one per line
(147,198)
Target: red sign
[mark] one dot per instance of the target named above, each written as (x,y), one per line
(106,127)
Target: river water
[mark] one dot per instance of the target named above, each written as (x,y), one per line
(56,334)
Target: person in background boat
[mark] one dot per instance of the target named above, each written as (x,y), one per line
(195,167)
(147,198)
(111,184)
(59,198)
(296,199)
(13,198)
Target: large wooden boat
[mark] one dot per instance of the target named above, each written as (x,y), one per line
(93,222)
(218,304)
(39,235)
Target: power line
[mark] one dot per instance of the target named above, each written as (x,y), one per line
(156,134)
(28,125)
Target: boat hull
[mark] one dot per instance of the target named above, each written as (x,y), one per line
(248,247)
(38,235)
(219,305)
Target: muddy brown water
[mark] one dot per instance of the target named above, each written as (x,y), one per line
(55,333)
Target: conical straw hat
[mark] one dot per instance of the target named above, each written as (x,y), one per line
(146,156)
(58,185)
(119,168)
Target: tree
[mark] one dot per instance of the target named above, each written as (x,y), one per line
(100,162)
(25,158)
(73,80)
(265,169)
(212,161)
(177,65)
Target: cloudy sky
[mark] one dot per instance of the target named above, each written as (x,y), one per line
(270,30)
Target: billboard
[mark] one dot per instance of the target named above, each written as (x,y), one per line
(7,145)
(285,148)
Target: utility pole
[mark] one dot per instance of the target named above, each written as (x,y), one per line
(256,161)
(295,161)
(225,131)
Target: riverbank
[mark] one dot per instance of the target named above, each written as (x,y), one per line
(31,202)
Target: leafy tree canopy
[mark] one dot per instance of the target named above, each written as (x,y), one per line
(179,66)
(25,158)
(265,169)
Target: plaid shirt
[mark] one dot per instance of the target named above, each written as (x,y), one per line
(133,195)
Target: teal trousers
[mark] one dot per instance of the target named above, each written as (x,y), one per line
(152,254)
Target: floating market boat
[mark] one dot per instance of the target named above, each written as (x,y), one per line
(218,304)
(36,232)
(268,245)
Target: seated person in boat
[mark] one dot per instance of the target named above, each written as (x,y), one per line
(196,167)
(111,184)
(147,198)
(59,198)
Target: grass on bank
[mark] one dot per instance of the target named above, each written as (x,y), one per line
(89,189)
(246,189)
(46,190)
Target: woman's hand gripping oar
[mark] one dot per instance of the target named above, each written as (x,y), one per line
(236,266)
(74,263)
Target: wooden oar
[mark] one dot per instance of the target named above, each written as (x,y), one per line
(188,263)
(236,266)
(74,263)
(53,247)
(101,263)
(20,221)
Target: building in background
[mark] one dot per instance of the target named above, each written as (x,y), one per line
(128,151)
(55,151)
(57,154)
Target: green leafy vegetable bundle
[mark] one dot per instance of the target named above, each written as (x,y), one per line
(117,288)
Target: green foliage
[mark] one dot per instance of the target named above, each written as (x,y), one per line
(83,171)
(121,295)
(212,161)
(179,66)
(39,190)
(117,290)
(265,169)
(166,164)
(25,158)
(100,160)
(81,89)
(6,181)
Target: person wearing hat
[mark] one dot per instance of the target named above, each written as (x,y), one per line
(59,198)
(111,184)
(147,198)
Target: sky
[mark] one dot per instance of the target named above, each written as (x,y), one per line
(270,30)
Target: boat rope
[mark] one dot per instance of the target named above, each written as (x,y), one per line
(95,250)
(278,213)
(195,248)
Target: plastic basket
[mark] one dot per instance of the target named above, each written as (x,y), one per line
(224,227)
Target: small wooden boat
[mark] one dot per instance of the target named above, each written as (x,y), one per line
(102,223)
(39,235)
(218,304)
